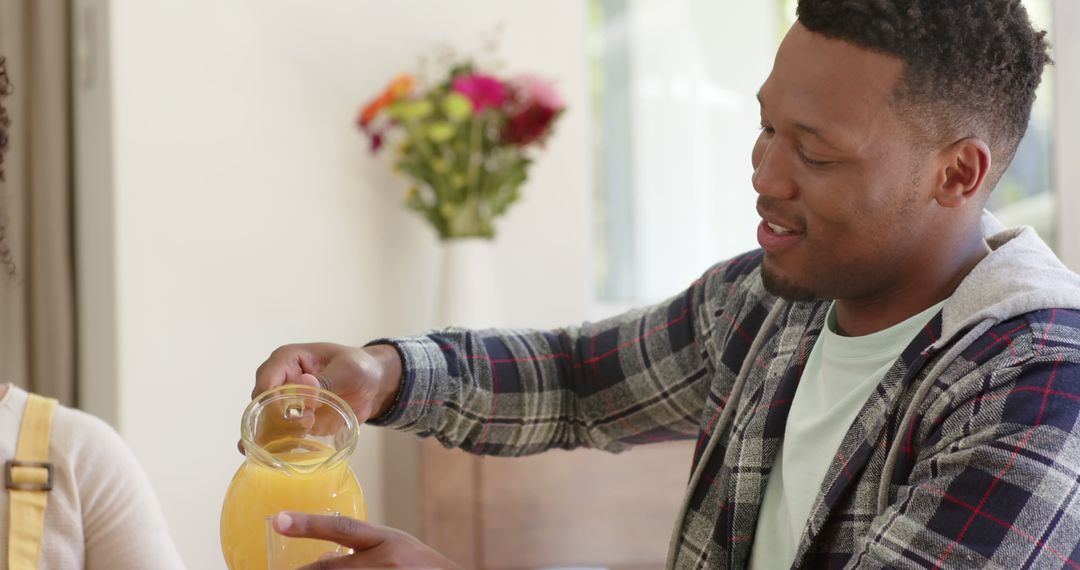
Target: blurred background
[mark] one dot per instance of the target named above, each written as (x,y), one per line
(187,190)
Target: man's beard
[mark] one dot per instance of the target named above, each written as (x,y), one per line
(784,288)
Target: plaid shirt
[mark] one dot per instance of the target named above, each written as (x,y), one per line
(975,465)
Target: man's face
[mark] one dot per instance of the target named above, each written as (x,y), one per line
(836,168)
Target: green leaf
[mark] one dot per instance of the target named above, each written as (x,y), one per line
(440,166)
(441,132)
(410,110)
(457,106)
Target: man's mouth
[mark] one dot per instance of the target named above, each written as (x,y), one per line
(778,229)
(775,238)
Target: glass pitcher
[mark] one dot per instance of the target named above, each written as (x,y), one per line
(297,440)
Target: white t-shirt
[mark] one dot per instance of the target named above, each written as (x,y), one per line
(101,512)
(840,374)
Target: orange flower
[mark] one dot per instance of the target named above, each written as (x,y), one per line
(401,86)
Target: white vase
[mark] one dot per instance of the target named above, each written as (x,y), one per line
(469,294)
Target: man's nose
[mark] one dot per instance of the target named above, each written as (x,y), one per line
(772,172)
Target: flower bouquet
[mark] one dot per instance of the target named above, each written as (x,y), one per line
(465,142)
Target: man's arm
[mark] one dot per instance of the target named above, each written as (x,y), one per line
(636,378)
(998,485)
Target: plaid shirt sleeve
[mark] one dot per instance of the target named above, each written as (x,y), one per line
(635,378)
(997,484)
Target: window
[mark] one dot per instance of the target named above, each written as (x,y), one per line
(675,85)
(1024,195)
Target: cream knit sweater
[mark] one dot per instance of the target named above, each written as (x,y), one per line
(102,512)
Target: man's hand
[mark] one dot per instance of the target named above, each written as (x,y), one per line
(367,379)
(373,546)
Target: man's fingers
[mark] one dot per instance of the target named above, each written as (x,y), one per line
(285,362)
(314,380)
(275,372)
(271,372)
(345,531)
(333,563)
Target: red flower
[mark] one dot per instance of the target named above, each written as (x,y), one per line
(376,141)
(535,107)
(482,90)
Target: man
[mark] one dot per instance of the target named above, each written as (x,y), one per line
(891,381)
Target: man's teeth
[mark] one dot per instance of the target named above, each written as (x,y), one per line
(778,229)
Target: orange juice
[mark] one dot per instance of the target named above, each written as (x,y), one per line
(259,490)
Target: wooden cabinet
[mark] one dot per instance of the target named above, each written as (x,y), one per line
(558,508)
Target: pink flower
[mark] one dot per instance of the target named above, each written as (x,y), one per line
(537,89)
(535,107)
(482,90)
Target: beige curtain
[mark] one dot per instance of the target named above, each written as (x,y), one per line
(37,347)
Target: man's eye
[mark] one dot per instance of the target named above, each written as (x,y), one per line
(812,162)
(767,130)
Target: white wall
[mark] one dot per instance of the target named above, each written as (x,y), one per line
(227,205)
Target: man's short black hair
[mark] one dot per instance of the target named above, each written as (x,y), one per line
(971,67)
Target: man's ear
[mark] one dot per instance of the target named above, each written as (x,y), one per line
(965,165)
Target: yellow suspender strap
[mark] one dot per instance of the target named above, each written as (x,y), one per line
(29,478)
